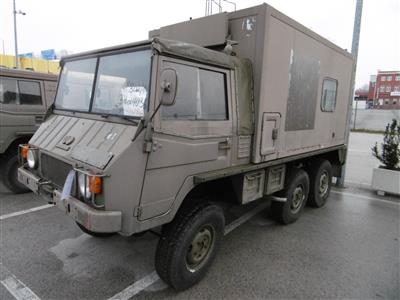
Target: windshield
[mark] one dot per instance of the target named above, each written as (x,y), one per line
(121,84)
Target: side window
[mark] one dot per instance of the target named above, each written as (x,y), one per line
(29,93)
(329,90)
(201,95)
(8,91)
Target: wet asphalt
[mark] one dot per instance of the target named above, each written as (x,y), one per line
(347,249)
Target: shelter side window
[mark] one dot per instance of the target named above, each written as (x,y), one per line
(29,93)
(329,91)
(200,95)
(8,91)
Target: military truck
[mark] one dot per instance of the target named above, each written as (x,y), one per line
(25,96)
(235,107)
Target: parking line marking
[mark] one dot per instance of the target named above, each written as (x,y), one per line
(18,289)
(136,287)
(22,212)
(365,197)
(243,219)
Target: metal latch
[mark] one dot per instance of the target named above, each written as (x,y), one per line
(225,144)
(274,133)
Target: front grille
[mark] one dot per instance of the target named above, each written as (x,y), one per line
(54,170)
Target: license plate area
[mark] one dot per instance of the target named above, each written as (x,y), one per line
(28,179)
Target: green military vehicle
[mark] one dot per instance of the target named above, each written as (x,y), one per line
(234,107)
(25,96)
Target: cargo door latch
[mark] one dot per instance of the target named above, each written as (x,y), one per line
(274,133)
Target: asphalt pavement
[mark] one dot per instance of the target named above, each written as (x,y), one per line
(347,249)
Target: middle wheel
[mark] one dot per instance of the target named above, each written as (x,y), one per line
(296,194)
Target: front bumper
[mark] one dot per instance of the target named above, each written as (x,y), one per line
(92,219)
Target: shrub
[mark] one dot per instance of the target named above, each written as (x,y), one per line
(390,150)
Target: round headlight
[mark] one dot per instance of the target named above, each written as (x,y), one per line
(83,183)
(31,158)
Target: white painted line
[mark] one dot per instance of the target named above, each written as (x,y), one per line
(22,212)
(136,287)
(243,219)
(18,289)
(365,197)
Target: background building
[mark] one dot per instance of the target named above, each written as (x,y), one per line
(384,90)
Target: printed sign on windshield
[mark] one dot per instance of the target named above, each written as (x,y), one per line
(133,99)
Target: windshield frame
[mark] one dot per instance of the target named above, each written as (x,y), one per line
(94,84)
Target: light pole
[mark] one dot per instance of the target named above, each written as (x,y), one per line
(354,52)
(15,12)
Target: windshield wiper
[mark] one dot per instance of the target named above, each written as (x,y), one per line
(133,121)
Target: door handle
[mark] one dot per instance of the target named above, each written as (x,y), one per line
(225,144)
(39,119)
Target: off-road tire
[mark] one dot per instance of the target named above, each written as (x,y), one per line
(95,234)
(177,238)
(9,173)
(317,197)
(284,212)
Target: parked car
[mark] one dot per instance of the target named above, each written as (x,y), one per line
(25,96)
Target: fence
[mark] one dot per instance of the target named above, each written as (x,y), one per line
(373,119)
(34,64)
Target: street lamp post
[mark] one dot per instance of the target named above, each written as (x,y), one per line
(354,52)
(15,12)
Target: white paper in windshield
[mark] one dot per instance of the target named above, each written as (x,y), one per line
(133,98)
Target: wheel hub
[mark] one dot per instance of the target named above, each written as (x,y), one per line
(297,199)
(323,183)
(200,248)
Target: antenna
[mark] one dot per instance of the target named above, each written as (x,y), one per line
(211,3)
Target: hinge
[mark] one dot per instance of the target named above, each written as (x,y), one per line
(147,147)
(137,211)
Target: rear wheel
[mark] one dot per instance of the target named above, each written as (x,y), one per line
(95,234)
(320,183)
(9,174)
(296,194)
(189,245)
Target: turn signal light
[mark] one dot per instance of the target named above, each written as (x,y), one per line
(24,151)
(95,184)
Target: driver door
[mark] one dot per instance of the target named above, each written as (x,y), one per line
(191,136)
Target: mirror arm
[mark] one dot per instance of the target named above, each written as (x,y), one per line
(144,123)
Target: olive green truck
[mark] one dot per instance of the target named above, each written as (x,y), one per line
(25,96)
(234,107)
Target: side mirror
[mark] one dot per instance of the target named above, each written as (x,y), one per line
(168,86)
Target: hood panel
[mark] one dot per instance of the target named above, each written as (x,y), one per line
(66,136)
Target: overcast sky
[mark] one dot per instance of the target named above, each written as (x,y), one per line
(78,25)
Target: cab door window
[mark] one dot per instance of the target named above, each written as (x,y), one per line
(13,91)
(200,95)
(29,93)
(8,91)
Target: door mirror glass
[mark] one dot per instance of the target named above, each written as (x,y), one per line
(168,87)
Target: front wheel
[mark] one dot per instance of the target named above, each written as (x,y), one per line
(189,245)
(9,173)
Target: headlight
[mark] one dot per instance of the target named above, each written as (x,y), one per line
(84,185)
(32,159)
